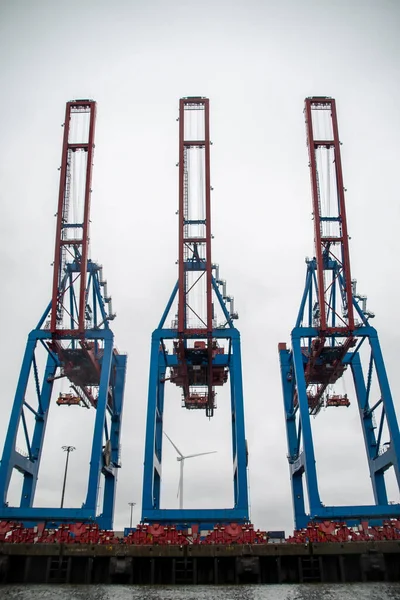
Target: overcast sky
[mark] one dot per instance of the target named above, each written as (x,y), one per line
(256,61)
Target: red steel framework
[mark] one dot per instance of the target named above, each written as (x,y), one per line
(205,343)
(73,237)
(326,330)
(323,242)
(195,249)
(331,244)
(189,245)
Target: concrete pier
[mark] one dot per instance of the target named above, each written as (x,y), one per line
(200,564)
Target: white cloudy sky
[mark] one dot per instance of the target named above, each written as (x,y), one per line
(256,61)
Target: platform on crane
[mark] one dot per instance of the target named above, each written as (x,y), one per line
(198,401)
(68,400)
(80,365)
(327,367)
(337,400)
(193,366)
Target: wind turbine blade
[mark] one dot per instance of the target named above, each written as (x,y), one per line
(177,449)
(200,454)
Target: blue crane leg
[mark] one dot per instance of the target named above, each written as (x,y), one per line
(7,462)
(293,440)
(309,455)
(386,395)
(159,428)
(240,460)
(234,437)
(111,474)
(97,445)
(151,467)
(377,479)
(30,479)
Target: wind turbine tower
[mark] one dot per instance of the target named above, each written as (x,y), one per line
(182,459)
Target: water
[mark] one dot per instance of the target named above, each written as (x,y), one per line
(356,591)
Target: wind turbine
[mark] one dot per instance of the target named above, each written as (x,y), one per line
(182,459)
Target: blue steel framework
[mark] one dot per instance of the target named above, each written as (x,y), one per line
(328,339)
(74,334)
(194,353)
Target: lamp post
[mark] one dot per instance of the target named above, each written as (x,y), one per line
(66,449)
(131,504)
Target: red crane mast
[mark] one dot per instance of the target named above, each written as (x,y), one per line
(73,212)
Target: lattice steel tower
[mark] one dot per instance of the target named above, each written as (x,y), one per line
(201,346)
(74,335)
(332,335)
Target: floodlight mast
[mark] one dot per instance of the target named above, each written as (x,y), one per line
(326,341)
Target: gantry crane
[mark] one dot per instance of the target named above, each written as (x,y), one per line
(332,335)
(75,337)
(201,346)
